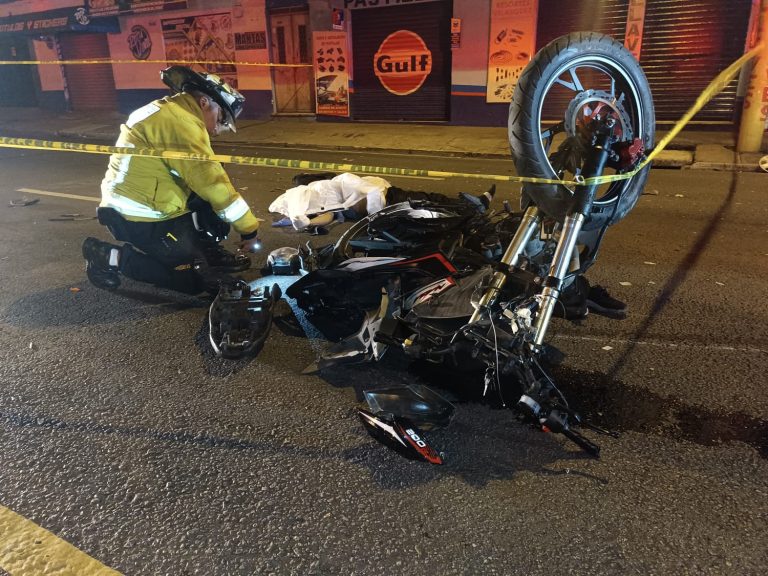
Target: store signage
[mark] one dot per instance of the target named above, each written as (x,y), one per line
(402,62)
(331,74)
(251,40)
(58,20)
(633,38)
(512,42)
(124,7)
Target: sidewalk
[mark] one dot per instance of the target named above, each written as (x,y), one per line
(711,150)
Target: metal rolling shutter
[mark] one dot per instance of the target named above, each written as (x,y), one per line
(686,43)
(371,101)
(91,86)
(17,88)
(557,18)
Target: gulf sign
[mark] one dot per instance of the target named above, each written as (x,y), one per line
(402,62)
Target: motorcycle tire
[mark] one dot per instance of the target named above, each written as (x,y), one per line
(570,52)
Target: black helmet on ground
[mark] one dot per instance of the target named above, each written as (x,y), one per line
(181,79)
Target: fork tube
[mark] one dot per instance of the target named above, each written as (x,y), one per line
(580,208)
(559,268)
(528,225)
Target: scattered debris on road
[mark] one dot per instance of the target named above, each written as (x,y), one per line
(70,218)
(24,202)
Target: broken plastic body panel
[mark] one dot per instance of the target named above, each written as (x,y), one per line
(399,434)
(240,318)
(414,402)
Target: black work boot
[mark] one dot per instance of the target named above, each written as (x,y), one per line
(97,268)
(572,303)
(225,261)
(600,302)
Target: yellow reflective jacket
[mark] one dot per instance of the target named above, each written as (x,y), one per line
(146,189)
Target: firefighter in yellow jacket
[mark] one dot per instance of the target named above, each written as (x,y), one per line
(172,214)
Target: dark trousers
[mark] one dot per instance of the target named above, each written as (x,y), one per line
(169,254)
(396,195)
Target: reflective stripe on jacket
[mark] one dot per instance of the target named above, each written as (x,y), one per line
(145,189)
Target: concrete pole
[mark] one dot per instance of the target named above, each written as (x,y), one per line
(753,119)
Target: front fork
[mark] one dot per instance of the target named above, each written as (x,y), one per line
(528,225)
(580,209)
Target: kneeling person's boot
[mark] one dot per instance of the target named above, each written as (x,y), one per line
(97,256)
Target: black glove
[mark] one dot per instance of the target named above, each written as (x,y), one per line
(250,242)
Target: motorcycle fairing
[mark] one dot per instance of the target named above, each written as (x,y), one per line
(428,292)
(434,262)
(337,300)
(400,435)
(358,347)
(239,318)
(361,263)
(414,402)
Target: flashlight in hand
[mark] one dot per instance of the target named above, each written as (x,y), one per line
(250,244)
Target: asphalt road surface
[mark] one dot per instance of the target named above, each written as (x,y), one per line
(122,435)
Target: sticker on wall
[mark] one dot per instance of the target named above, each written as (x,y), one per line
(207,37)
(337,19)
(455,33)
(139,42)
(331,74)
(402,62)
(512,45)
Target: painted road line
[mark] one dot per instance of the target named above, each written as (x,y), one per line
(59,194)
(26,549)
(669,345)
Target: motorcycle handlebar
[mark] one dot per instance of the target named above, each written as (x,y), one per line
(583,442)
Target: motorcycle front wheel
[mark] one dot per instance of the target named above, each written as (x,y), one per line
(567,84)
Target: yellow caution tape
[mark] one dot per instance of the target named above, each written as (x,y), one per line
(31,144)
(109,61)
(716,86)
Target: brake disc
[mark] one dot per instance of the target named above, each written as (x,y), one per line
(587,105)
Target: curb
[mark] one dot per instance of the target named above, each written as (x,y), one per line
(677,158)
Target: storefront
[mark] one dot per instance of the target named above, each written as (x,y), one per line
(454,61)
(67,33)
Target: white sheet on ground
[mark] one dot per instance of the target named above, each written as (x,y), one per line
(340,193)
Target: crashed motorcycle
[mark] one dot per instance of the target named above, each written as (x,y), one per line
(451,283)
